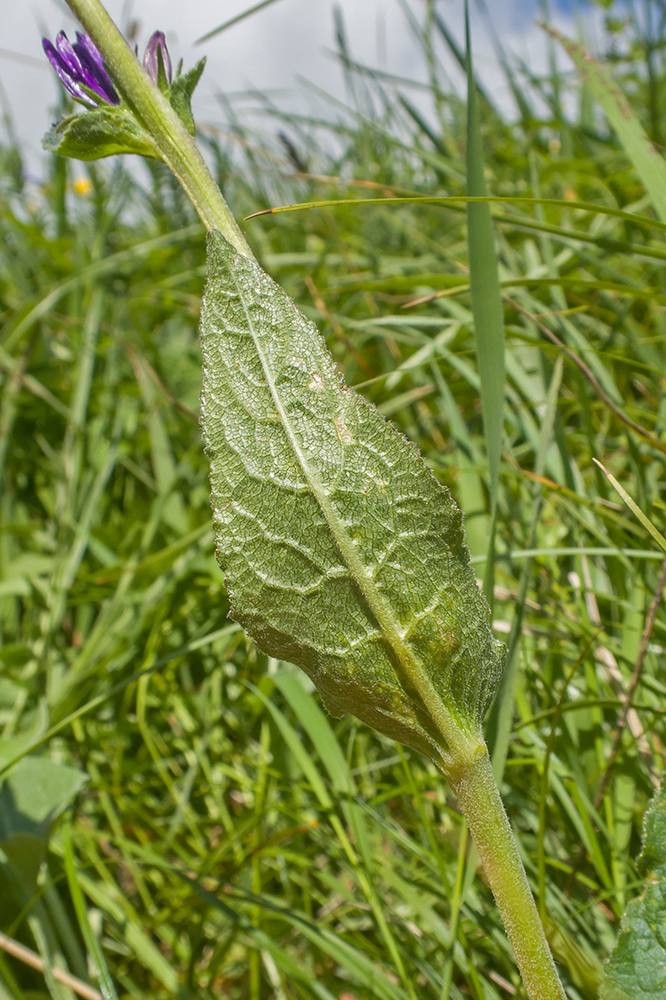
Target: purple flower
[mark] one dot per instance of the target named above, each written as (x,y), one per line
(81,66)
(150,59)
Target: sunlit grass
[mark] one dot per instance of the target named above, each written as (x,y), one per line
(232,839)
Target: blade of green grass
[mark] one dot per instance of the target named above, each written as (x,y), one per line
(500,717)
(323,737)
(574,205)
(355,963)
(128,928)
(633,507)
(95,952)
(649,165)
(234,20)
(486,304)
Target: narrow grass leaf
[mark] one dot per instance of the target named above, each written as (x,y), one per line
(323,737)
(500,717)
(234,20)
(95,952)
(132,935)
(634,508)
(649,164)
(486,302)
(354,961)
(452,200)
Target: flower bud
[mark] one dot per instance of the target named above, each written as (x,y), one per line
(151,58)
(81,69)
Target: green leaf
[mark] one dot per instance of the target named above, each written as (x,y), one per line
(486,306)
(11,748)
(633,507)
(180,95)
(234,20)
(341,551)
(649,164)
(484,284)
(637,968)
(109,899)
(97,133)
(92,942)
(31,797)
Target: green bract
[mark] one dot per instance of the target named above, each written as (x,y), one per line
(112,129)
(342,553)
(97,133)
(180,95)
(637,968)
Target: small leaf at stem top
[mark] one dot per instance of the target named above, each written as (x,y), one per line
(98,133)
(180,95)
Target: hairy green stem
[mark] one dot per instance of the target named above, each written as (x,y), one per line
(175,144)
(482,807)
(469,771)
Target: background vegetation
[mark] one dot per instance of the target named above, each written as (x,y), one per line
(229,838)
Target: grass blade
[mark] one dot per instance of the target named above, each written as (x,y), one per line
(233,20)
(486,302)
(634,508)
(104,979)
(649,165)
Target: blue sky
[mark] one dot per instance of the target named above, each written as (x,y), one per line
(270,51)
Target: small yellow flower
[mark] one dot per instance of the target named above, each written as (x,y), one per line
(83,185)
(554,146)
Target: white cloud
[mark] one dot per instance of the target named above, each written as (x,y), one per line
(268,51)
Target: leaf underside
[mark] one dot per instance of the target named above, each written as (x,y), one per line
(99,132)
(637,968)
(341,551)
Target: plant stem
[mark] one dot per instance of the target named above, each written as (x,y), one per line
(471,774)
(152,109)
(481,805)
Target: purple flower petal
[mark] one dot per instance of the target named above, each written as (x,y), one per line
(150,58)
(68,54)
(95,78)
(65,74)
(87,43)
(81,66)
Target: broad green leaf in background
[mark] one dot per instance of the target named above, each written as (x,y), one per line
(637,968)
(12,748)
(31,797)
(341,551)
(649,164)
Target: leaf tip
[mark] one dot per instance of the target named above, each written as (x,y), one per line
(264,211)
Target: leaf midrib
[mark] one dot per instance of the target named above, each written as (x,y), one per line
(456,738)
